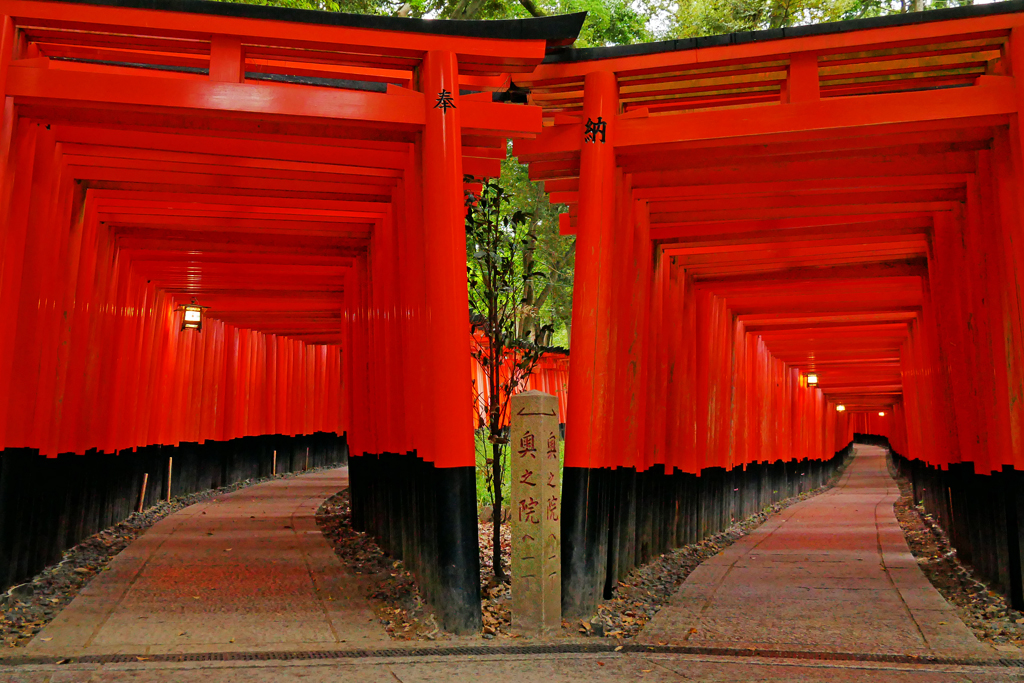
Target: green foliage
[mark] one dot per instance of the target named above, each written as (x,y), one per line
(350,6)
(549,300)
(713,17)
(609,22)
(501,277)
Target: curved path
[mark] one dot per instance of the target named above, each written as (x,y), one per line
(830,573)
(248,570)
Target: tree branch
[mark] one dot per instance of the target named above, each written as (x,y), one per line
(532,8)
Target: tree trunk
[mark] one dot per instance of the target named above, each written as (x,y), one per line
(499,571)
(528,326)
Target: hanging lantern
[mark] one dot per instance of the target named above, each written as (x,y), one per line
(881,413)
(812,379)
(192,318)
(840,408)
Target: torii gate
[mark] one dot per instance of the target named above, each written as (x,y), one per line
(298,173)
(840,200)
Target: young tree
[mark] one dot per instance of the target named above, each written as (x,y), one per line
(496,235)
(544,249)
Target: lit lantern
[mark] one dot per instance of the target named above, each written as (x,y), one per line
(840,408)
(193,316)
(812,380)
(881,413)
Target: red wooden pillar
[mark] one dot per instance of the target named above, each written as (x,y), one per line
(17,182)
(41,242)
(628,317)
(590,369)
(1007,179)
(659,389)
(447,336)
(945,268)
(636,392)
(412,285)
(584,509)
(675,447)
(447,323)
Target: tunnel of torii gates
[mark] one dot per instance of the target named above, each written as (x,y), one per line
(839,200)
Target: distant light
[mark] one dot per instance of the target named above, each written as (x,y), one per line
(812,380)
(193,317)
(840,408)
(881,413)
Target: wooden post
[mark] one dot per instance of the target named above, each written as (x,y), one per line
(306,466)
(536,510)
(170,464)
(142,493)
(273,466)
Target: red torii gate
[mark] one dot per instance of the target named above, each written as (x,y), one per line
(841,200)
(299,173)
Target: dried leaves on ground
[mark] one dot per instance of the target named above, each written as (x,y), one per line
(982,609)
(384,581)
(26,608)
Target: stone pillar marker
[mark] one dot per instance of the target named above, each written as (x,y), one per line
(536,506)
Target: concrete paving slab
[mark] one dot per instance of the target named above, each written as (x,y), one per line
(248,570)
(831,573)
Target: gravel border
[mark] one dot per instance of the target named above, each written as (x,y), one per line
(26,608)
(395,599)
(983,610)
(384,581)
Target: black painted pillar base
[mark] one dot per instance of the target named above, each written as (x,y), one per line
(982,514)
(458,549)
(425,516)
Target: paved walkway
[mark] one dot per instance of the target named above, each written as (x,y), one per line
(830,573)
(250,572)
(246,571)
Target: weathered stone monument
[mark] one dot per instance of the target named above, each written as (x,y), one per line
(536,509)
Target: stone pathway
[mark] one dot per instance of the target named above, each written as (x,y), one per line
(832,573)
(246,571)
(250,572)
(522,668)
